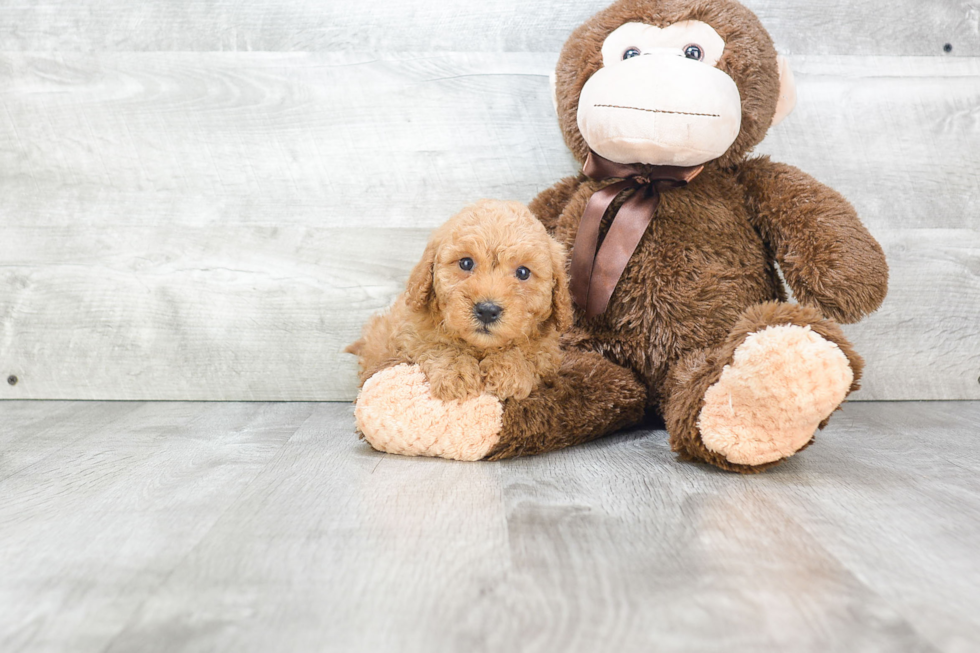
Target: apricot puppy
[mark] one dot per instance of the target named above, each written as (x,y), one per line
(483,310)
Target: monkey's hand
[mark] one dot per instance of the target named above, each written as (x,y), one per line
(827,256)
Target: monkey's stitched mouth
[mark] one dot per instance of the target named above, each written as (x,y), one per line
(679,113)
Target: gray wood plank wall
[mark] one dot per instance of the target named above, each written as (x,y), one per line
(205,200)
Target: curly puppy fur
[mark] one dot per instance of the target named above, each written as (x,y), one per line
(435,322)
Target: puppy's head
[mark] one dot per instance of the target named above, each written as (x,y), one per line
(493,275)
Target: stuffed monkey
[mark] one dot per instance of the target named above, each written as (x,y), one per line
(675,236)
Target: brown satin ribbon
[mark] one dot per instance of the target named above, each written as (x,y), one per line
(596,270)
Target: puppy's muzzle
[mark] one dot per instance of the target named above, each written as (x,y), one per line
(487,312)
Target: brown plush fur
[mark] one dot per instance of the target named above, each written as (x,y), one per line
(433,323)
(704,276)
(588,398)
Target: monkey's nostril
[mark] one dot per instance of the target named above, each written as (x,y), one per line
(487,312)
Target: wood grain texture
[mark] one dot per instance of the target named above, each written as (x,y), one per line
(333,512)
(341,139)
(924,343)
(898,136)
(256,527)
(334,139)
(49,430)
(922,450)
(899,27)
(174,312)
(91,529)
(267,315)
(218,225)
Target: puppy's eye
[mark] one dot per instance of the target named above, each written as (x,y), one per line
(466,263)
(630,53)
(694,51)
(523,273)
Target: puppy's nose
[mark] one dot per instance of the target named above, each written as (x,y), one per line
(487,312)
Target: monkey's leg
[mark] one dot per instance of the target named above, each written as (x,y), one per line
(759,397)
(590,397)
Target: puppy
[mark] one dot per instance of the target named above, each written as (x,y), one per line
(483,310)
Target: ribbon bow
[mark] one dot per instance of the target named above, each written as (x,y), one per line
(596,270)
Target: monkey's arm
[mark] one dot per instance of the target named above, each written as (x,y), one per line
(827,256)
(549,204)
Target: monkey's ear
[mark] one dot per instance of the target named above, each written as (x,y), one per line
(561,300)
(553,83)
(787,91)
(419,291)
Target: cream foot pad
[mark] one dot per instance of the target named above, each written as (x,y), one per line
(781,384)
(396,414)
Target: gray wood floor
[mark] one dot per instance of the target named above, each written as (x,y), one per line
(269,527)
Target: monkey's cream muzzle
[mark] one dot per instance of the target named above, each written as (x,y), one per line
(660,109)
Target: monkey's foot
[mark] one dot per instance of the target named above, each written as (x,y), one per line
(782,383)
(397,414)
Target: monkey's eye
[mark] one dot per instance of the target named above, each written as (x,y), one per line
(523,273)
(630,53)
(694,51)
(466,263)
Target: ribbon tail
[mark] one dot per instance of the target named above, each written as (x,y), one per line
(624,236)
(587,241)
(595,271)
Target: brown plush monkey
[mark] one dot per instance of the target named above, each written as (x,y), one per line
(675,236)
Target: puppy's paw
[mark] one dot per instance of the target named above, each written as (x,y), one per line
(508,376)
(457,380)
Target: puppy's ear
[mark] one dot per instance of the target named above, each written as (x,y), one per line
(419,291)
(561,300)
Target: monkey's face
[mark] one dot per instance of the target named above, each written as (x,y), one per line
(670,82)
(659,98)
